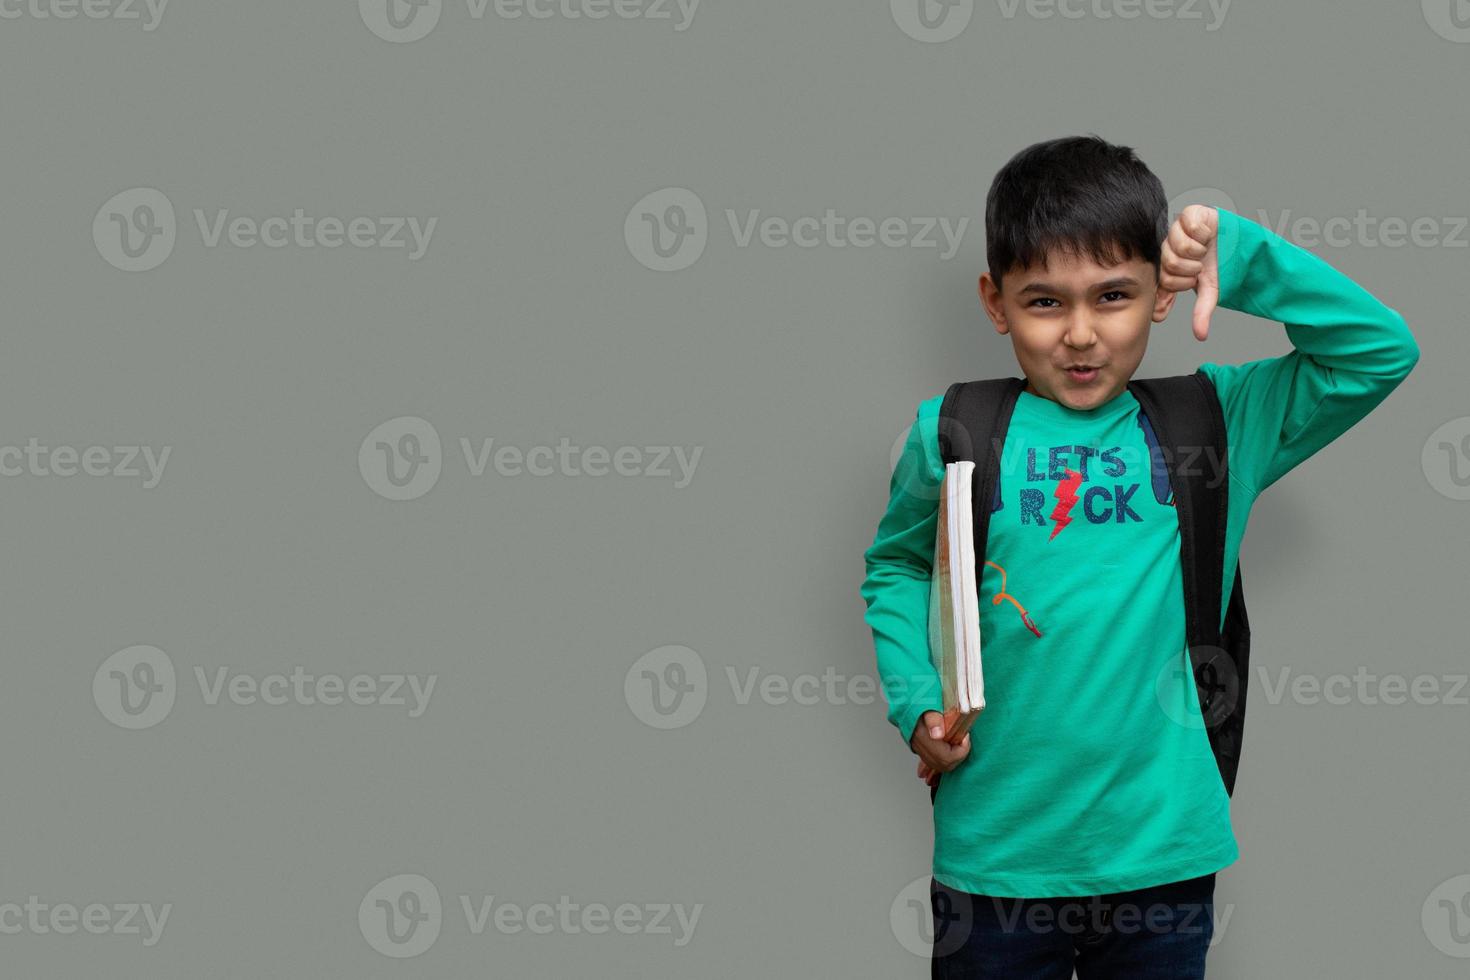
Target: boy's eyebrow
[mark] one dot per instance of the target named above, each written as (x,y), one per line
(1118,282)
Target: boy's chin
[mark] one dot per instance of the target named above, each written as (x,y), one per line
(1084,397)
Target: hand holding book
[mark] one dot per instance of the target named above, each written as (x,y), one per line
(954,630)
(936,753)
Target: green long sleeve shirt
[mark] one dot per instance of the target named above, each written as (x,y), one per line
(1090,769)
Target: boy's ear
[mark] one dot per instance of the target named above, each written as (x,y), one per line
(1163,303)
(994,308)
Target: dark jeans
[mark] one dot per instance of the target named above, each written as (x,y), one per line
(1158,933)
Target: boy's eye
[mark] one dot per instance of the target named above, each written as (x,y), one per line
(1112,295)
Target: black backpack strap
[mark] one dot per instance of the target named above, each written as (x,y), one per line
(973,419)
(1185,415)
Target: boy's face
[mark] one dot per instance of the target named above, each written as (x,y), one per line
(1076,314)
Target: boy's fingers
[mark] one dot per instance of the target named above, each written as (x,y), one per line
(949,756)
(1182,244)
(1200,221)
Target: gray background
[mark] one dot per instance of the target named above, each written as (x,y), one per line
(530,776)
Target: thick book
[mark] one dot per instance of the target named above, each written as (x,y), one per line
(954,604)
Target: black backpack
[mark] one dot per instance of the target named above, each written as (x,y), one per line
(1189,429)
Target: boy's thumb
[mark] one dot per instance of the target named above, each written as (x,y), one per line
(933,721)
(1205,297)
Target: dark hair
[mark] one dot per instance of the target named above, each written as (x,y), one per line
(1078,195)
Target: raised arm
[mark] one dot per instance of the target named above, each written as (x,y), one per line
(1350,351)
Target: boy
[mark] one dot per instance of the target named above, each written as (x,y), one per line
(1076,802)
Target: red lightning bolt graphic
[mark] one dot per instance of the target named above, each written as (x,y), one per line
(1066,494)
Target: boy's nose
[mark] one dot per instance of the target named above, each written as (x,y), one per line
(1080,332)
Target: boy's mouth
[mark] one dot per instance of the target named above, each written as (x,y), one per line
(1082,375)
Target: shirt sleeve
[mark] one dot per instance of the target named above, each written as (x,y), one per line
(899,568)
(1350,351)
